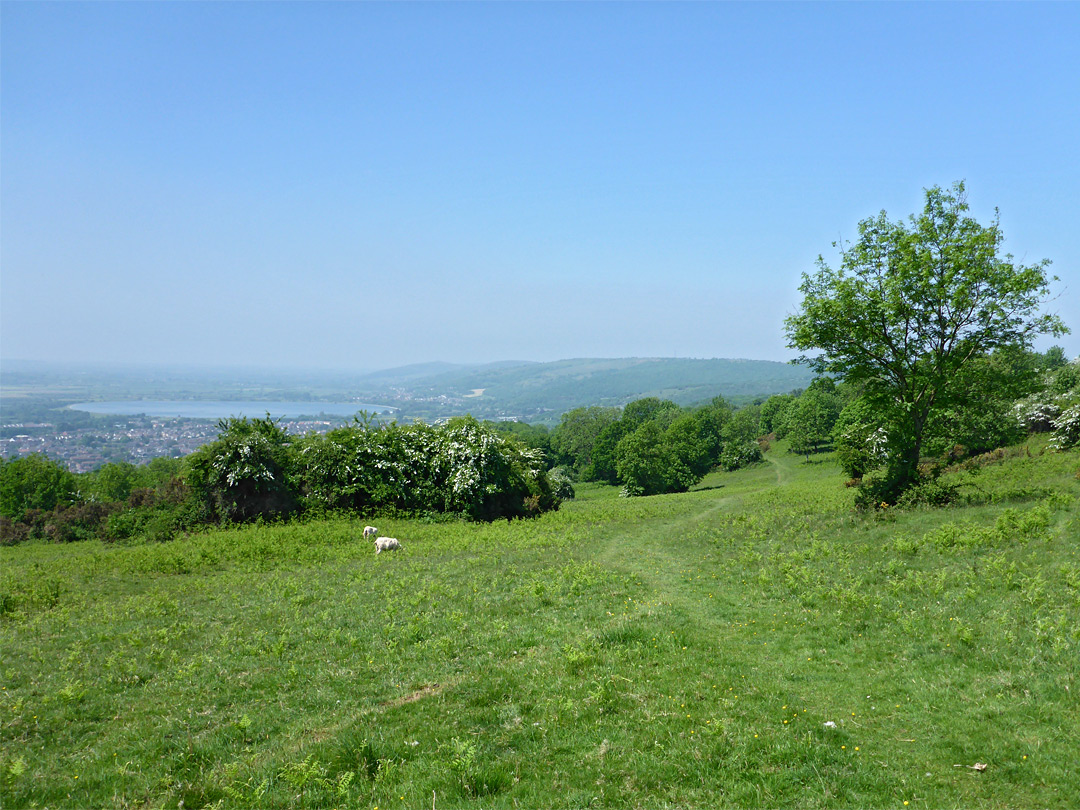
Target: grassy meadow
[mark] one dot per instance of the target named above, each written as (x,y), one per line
(754,642)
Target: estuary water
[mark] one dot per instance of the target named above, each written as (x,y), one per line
(220,409)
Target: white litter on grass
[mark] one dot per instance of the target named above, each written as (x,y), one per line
(830,724)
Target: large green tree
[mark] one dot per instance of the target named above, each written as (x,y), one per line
(910,308)
(34,482)
(577,432)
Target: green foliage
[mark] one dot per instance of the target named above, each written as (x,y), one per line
(860,439)
(775,414)
(811,420)
(602,465)
(658,447)
(576,435)
(647,463)
(744,427)
(535,437)
(462,467)
(114,482)
(34,482)
(245,473)
(909,309)
(649,409)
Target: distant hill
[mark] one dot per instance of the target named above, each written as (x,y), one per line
(535,390)
(529,391)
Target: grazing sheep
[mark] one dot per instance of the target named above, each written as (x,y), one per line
(386,544)
(370,531)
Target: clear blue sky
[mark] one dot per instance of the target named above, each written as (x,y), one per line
(366,185)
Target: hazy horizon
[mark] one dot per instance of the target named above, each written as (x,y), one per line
(364,186)
(210,368)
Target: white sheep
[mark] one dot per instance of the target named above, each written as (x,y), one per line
(370,531)
(386,544)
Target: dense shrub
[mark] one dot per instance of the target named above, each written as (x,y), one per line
(244,474)
(562,483)
(931,492)
(1067,429)
(461,467)
(648,464)
(736,456)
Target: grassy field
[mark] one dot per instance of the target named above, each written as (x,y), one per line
(751,643)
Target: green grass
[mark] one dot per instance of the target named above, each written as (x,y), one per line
(673,651)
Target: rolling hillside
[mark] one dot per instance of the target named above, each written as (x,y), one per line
(543,391)
(752,643)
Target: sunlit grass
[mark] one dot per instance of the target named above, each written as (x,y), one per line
(683,650)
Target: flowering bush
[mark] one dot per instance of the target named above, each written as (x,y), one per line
(461,467)
(1036,413)
(1067,429)
(245,473)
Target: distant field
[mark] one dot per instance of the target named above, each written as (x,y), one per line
(751,643)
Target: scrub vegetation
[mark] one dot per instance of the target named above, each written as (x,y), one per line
(755,642)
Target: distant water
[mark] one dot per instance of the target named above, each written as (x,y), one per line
(207,409)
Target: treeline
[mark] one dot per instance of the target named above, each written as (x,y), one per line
(256,470)
(653,445)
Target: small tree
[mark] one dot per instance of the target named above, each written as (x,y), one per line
(647,463)
(811,420)
(910,308)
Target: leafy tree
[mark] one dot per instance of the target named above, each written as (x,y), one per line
(697,437)
(114,481)
(576,434)
(744,427)
(538,437)
(650,409)
(1065,378)
(775,412)
(602,467)
(647,463)
(811,420)
(693,444)
(910,308)
(1053,358)
(740,436)
(34,482)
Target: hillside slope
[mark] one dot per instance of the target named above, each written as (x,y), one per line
(751,643)
(532,390)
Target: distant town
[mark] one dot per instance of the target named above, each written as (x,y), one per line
(136,440)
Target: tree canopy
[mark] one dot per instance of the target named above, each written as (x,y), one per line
(911,308)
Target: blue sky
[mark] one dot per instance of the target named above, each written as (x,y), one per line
(363,185)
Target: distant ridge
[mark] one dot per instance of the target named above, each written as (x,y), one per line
(510,389)
(413,371)
(532,390)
